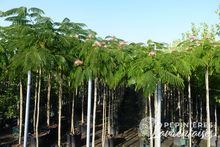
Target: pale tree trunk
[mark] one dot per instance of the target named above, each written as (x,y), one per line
(207,106)
(104,116)
(21,112)
(190,112)
(165,101)
(151,125)
(27,109)
(94,111)
(145,102)
(38,108)
(35,103)
(89,109)
(216,121)
(200,103)
(158,115)
(48,99)
(109,111)
(172,103)
(155,114)
(179,115)
(75,94)
(182,112)
(60,108)
(83,98)
(69,96)
(197,111)
(113,106)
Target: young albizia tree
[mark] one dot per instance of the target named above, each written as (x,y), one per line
(28,53)
(151,66)
(205,51)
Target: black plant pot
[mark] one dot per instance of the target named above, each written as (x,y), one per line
(83,129)
(143,143)
(42,141)
(114,130)
(109,142)
(52,133)
(74,140)
(215,141)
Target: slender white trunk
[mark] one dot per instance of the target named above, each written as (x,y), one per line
(151,125)
(75,93)
(35,104)
(103,117)
(89,109)
(94,111)
(158,115)
(109,111)
(27,109)
(155,110)
(165,101)
(83,97)
(190,112)
(48,99)
(21,112)
(60,109)
(179,108)
(38,108)
(145,102)
(200,105)
(216,121)
(207,106)
(69,96)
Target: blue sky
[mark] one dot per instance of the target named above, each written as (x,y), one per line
(131,20)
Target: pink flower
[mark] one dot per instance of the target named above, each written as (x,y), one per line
(187,48)
(103,42)
(208,36)
(91,36)
(93,45)
(192,36)
(121,42)
(105,46)
(211,41)
(77,36)
(173,50)
(87,39)
(99,44)
(152,53)
(78,62)
(215,45)
(111,39)
(197,41)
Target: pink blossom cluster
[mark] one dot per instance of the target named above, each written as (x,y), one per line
(173,50)
(91,36)
(192,36)
(152,53)
(112,38)
(78,62)
(121,42)
(100,44)
(197,42)
(208,36)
